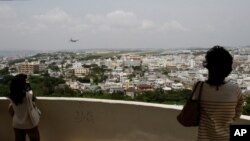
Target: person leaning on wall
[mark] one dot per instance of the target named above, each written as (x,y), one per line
(221,102)
(20,93)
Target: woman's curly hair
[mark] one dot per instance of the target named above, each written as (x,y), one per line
(219,64)
(18,88)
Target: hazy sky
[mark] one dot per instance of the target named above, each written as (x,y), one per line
(49,24)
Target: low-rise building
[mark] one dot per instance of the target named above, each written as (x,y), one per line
(144,88)
(130,92)
(177,86)
(81,71)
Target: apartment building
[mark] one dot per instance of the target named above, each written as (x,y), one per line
(81,71)
(28,68)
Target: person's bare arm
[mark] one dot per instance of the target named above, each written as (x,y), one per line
(11,110)
(239,106)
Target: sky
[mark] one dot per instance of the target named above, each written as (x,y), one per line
(123,24)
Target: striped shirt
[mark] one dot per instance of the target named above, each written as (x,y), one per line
(219,108)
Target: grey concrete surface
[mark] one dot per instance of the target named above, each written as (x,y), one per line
(78,119)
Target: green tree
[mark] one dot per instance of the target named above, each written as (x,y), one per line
(97,73)
(44,85)
(66,92)
(16,61)
(83,80)
(246,108)
(4,71)
(160,96)
(53,67)
(4,90)
(5,80)
(4,85)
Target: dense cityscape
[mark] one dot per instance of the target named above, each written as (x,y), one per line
(161,76)
(124,70)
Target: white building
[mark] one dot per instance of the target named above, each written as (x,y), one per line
(177,86)
(77,65)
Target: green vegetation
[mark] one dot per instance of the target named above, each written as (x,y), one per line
(165,97)
(83,80)
(50,86)
(4,71)
(111,55)
(96,74)
(53,67)
(4,84)
(246,109)
(90,57)
(149,52)
(16,61)
(45,85)
(101,95)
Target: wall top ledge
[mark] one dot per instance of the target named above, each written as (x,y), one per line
(175,107)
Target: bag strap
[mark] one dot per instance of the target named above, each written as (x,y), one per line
(199,83)
(195,87)
(200,92)
(29,100)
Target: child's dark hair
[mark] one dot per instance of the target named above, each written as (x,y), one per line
(219,64)
(18,88)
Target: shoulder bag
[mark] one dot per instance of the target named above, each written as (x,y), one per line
(190,114)
(34,112)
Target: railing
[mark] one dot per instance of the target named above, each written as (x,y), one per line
(81,119)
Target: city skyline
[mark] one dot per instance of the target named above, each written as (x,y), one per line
(117,24)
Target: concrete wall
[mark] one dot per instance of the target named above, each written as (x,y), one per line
(77,119)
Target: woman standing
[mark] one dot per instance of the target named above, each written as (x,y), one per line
(221,102)
(20,92)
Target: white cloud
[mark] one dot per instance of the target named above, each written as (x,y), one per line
(6,12)
(174,25)
(128,20)
(54,16)
(209,28)
(115,20)
(122,18)
(95,19)
(38,28)
(57,19)
(147,24)
(79,27)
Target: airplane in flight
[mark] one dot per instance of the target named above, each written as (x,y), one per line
(73,41)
